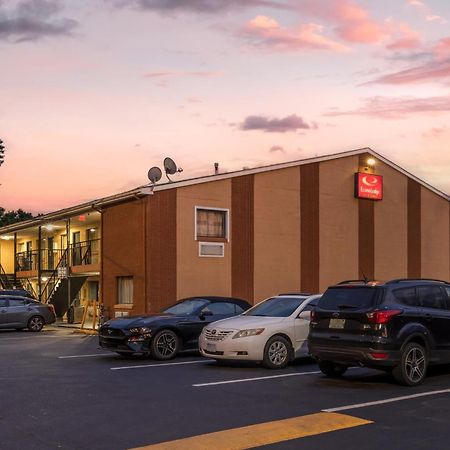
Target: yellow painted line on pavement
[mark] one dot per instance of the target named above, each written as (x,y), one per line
(264,433)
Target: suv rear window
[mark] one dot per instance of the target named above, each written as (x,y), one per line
(348,298)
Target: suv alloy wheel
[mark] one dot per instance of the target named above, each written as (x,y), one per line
(413,365)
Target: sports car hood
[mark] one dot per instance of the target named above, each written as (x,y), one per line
(142,321)
(246,322)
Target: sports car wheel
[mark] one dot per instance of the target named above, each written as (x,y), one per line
(165,345)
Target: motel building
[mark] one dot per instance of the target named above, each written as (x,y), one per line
(292,227)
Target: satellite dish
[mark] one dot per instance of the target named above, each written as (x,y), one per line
(154,174)
(171,168)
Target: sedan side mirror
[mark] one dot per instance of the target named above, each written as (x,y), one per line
(306,315)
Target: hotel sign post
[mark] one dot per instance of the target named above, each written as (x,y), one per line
(368,186)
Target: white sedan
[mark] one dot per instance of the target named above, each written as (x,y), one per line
(274,332)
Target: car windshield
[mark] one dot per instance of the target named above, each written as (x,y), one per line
(187,307)
(276,307)
(348,298)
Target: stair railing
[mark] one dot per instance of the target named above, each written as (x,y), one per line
(2,273)
(52,281)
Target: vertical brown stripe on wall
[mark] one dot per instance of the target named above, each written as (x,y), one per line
(161,250)
(366,238)
(309,228)
(414,230)
(242,237)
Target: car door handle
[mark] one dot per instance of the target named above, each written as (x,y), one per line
(428,317)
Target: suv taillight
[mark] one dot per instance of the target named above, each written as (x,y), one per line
(383,316)
(51,308)
(313,316)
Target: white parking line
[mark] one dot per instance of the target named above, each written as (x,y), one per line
(161,365)
(244,380)
(388,400)
(29,337)
(85,356)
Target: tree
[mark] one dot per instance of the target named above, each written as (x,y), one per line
(9,217)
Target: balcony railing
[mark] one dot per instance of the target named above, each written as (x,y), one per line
(85,253)
(80,254)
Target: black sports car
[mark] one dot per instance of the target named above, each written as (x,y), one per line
(176,328)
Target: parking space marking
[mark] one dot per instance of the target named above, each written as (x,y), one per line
(143,366)
(264,433)
(387,400)
(24,338)
(245,380)
(85,356)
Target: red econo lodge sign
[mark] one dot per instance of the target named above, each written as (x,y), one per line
(368,186)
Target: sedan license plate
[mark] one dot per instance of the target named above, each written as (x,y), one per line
(337,323)
(211,348)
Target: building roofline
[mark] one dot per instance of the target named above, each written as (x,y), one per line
(139,192)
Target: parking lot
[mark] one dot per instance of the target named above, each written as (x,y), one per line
(59,390)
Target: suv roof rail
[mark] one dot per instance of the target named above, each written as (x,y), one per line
(355,281)
(306,294)
(400,280)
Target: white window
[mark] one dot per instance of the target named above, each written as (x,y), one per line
(211,223)
(125,290)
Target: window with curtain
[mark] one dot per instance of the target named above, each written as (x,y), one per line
(125,290)
(211,223)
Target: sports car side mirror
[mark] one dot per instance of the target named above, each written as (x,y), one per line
(203,314)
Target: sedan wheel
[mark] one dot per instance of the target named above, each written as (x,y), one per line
(165,345)
(36,323)
(277,353)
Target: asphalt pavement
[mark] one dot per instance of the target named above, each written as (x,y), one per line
(60,391)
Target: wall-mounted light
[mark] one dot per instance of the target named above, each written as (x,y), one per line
(44,279)
(49,227)
(6,237)
(371,162)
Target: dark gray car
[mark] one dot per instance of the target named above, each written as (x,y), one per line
(23,312)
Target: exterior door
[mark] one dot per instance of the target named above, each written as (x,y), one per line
(76,248)
(50,255)
(29,253)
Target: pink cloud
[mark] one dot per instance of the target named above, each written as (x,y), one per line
(266,32)
(427,12)
(169,74)
(397,108)
(354,24)
(402,36)
(435,132)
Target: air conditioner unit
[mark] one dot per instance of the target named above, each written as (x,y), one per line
(211,249)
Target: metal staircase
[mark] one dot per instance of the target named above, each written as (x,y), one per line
(60,298)
(56,290)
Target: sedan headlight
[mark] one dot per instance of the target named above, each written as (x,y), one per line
(140,330)
(247,333)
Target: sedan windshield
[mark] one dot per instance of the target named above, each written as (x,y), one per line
(276,307)
(186,308)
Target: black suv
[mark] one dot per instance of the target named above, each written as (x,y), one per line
(399,326)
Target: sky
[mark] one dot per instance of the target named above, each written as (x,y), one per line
(95,92)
